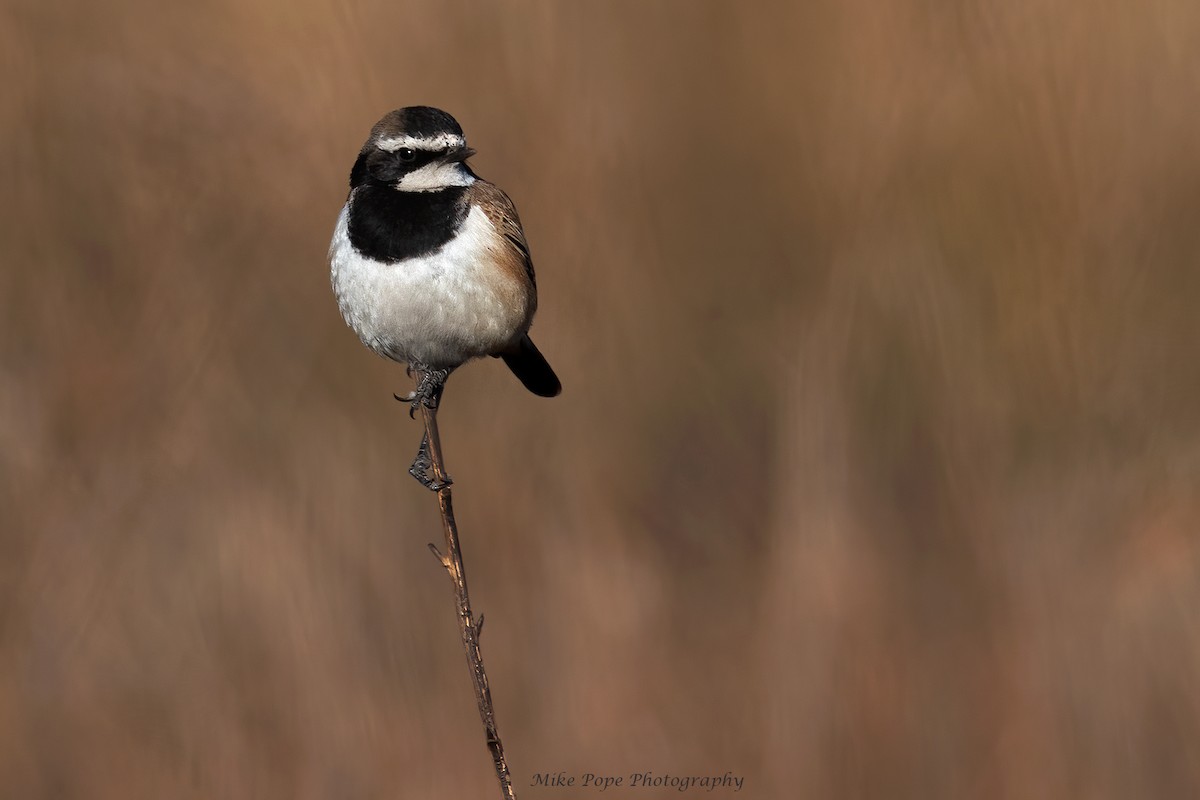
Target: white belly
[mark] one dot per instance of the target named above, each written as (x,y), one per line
(437,310)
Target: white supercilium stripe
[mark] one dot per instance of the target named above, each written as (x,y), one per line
(443,141)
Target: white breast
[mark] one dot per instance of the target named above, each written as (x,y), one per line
(437,310)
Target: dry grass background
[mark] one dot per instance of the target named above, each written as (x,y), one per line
(876,471)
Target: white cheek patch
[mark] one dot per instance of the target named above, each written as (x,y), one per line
(443,141)
(435,176)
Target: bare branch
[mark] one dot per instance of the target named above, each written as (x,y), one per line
(453,562)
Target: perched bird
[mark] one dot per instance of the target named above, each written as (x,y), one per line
(429,263)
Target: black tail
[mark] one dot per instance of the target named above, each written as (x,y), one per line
(528,364)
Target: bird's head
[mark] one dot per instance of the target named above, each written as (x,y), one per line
(414,149)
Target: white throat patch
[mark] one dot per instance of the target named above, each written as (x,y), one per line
(436,176)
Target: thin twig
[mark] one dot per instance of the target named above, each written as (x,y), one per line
(453,562)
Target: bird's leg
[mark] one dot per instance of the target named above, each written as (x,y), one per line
(421,468)
(427,396)
(430,385)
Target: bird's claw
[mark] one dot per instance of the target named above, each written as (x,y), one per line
(422,469)
(431,384)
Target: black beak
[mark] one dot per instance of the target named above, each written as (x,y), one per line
(459,154)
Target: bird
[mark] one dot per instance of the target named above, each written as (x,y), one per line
(429,262)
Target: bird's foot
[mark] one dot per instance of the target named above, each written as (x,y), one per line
(430,385)
(422,469)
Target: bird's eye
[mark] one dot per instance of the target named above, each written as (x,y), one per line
(406,154)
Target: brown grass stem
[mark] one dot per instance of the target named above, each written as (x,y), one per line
(470,629)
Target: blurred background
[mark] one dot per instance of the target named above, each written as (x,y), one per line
(876,470)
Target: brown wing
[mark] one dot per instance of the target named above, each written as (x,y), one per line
(503,214)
